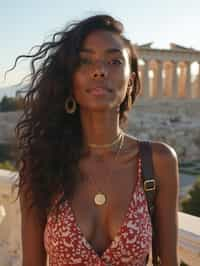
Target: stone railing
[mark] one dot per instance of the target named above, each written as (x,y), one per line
(10,233)
(10,245)
(189,239)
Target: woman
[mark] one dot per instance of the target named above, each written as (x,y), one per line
(81,196)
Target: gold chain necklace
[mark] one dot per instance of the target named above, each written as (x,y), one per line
(100,197)
(118,138)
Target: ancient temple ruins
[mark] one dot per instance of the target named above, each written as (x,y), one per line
(167,73)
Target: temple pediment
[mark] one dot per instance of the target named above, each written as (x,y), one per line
(146,45)
(177,47)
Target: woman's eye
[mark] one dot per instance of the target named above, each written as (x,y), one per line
(115,61)
(85,61)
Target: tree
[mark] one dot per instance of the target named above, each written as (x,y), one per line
(11,104)
(7,104)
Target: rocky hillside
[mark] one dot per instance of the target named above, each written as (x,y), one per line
(176,122)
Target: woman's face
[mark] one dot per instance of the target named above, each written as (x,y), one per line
(101,80)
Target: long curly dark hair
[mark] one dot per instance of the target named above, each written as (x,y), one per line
(49,140)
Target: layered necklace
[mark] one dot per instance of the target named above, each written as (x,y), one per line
(100,197)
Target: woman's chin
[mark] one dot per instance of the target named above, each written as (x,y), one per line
(98,108)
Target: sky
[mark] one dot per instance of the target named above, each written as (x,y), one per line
(24,24)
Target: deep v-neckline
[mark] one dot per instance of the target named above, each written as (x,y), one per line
(124,219)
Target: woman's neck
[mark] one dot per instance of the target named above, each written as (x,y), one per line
(100,128)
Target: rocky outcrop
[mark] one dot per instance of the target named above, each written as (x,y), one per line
(175,122)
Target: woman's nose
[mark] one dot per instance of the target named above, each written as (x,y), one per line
(99,70)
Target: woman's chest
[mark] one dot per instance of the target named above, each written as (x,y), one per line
(100,224)
(121,226)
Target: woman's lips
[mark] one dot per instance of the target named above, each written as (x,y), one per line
(98,91)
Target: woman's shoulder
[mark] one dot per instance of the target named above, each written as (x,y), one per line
(161,150)
(165,158)
(165,161)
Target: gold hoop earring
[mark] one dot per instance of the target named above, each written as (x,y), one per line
(129,101)
(70,105)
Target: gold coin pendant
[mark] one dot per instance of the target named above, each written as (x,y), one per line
(100,199)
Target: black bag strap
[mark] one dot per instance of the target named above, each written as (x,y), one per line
(150,189)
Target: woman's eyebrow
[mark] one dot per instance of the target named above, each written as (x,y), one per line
(108,51)
(114,50)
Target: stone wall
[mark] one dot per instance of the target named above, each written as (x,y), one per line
(10,221)
(176,122)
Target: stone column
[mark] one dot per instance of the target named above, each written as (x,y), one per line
(153,84)
(158,78)
(197,84)
(181,92)
(188,92)
(166,91)
(174,84)
(141,75)
(185,80)
(146,79)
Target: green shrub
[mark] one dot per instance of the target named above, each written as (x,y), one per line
(5,152)
(7,165)
(191,203)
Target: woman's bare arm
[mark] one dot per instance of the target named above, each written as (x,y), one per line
(32,228)
(166,169)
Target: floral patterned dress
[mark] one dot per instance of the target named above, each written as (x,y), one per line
(65,244)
